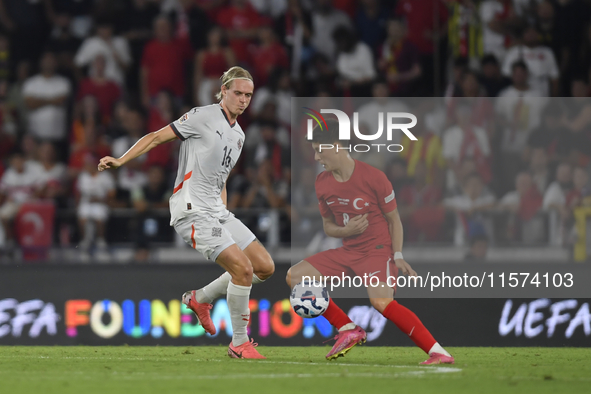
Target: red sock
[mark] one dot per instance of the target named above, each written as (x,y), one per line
(335,315)
(409,324)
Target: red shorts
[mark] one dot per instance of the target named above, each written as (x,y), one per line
(336,262)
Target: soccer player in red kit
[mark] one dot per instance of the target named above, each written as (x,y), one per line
(357,204)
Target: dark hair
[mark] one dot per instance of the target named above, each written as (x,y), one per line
(461,62)
(521,64)
(328,134)
(489,59)
(343,34)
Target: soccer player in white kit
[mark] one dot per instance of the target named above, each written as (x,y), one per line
(212,142)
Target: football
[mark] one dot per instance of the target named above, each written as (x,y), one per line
(309,299)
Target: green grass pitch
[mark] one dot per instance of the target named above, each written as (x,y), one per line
(196,370)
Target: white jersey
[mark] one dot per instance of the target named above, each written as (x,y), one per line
(210,149)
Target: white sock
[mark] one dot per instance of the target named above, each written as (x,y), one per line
(219,287)
(256,280)
(438,349)
(348,326)
(215,289)
(239,313)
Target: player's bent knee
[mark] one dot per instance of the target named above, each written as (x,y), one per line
(266,268)
(242,274)
(380,304)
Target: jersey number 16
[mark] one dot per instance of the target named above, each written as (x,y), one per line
(227,158)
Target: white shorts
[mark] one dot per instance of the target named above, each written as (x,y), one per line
(93,211)
(210,236)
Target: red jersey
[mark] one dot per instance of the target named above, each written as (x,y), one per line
(367,191)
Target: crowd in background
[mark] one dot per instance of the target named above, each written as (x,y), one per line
(81,79)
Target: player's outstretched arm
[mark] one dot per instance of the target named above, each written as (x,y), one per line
(144,144)
(397,235)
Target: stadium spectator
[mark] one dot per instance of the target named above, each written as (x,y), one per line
(523,205)
(482,107)
(538,169)
(577,121)
(266,189)
(163,63)
(20,183)
(371,115)
(87,136)
(426,26)
(131,176)
(29,147)
(241,22)
(399,60)
(295,31)
(146,200)
(354,63)
(15,100)
(545,22)
(268,55)
(53,175)
(520,113)
(95,192)
(78,12)
(277,90)
(138,33)
(370,22)
(272,9)
(325,20)
(419,204)
(478,249)
(466,141)
(580,190)
(266,119)
(210,63)
(541,64)
(268,148)
(465,31)
(427,151)
(115,49)
(454,86)
(64,44)
(162,113)
(470,208)
(499,22)
(555,203)
(491,78)
(46,96)
(106,91)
